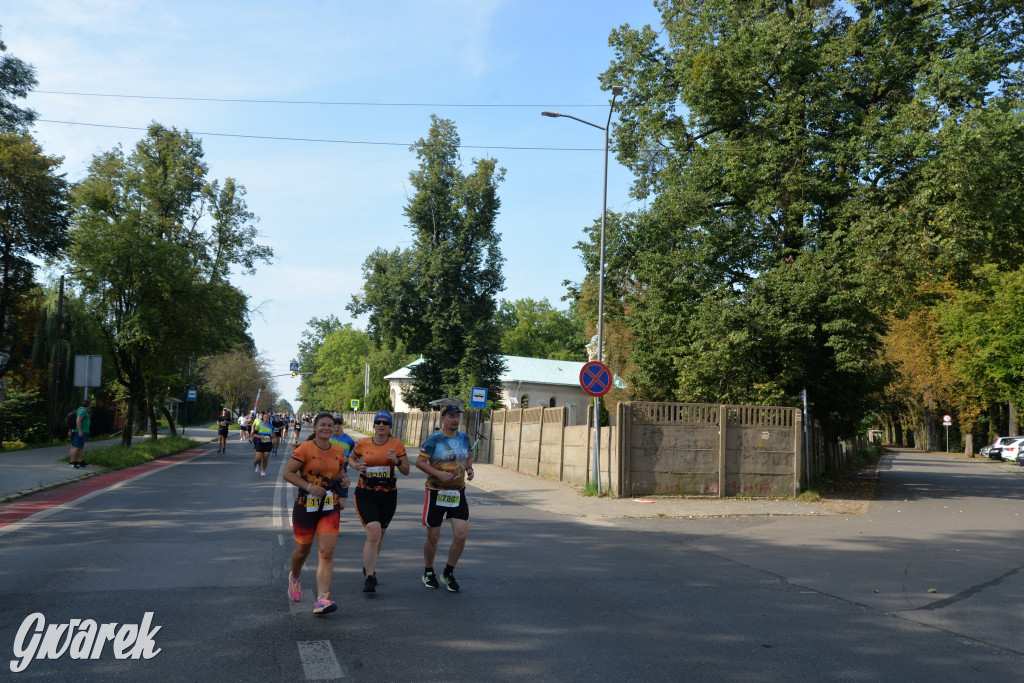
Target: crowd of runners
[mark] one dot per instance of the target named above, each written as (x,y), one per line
(319,468)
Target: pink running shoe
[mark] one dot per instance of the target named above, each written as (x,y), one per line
(294,588)
(324,604)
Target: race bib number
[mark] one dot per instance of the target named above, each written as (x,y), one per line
(313,504)
(449,499)
(378,472)
(265,438)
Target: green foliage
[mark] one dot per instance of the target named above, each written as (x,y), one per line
(33,225)
(438,297)
(803,163)
(17,78)
(316,332)
(535,329)
(981,331)
(22,414)
(153,242)
(340,363)
(378,399)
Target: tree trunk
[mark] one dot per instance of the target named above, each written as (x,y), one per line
(931,430)
(969,444)
(171,428)
(129,425)
(153,427)
(1014,427)
(898,429)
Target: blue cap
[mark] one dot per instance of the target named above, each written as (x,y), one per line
(382,415)
(450,410)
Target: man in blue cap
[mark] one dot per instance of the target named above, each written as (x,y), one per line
(446,459)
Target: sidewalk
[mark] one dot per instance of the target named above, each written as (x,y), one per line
(566,499)
(23,473)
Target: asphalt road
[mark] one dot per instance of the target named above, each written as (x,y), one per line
(925,586)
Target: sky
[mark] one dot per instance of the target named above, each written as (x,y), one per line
(334,76)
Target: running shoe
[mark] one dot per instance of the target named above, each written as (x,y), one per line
(430,581)
(374,576)
(324,604)
(369,585)
(450,583)
(294,588)
(263,473)
(256,468)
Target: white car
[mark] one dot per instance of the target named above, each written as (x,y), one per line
(1010,450)
(996,450)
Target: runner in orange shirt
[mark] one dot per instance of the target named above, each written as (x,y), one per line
(377,457)
(316,468)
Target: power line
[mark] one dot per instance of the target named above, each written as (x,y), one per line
(316,102)
(329,140)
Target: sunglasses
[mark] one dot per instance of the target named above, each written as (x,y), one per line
(382,422)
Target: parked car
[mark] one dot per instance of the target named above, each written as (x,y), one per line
(1020,456)
(995,451)
(983,453)
(1010,450)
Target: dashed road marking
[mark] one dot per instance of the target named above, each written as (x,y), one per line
(318,660)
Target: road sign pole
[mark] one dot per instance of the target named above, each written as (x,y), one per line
(596,380)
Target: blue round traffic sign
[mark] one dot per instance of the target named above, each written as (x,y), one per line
(596,378)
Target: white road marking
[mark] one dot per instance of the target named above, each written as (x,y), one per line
(318,660)
(278,519)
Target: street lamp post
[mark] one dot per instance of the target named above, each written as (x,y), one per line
(596,459)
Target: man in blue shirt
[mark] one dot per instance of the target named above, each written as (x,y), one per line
(446,459)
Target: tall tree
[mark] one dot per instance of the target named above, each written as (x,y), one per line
(439,296)
(791,153)
(153,261)
(33,223)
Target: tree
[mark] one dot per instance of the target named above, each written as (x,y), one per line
(797,157)
(16,80)
(535,329)
(236,376)
(317,330)
(438,297)
(340,369)
(33,223)
(153,242)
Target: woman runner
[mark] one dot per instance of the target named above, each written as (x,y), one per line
(377,457)
(316,468)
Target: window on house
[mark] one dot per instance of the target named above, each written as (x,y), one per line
(551,402)
(524,402)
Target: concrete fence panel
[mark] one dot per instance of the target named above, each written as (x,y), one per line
(551,442)
(529,440)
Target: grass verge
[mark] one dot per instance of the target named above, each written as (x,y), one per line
(119,457)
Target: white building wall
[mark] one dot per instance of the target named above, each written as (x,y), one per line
(512,393)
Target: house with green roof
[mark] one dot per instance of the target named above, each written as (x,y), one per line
(526,383)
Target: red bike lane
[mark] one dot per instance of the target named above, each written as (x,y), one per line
(23,508)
